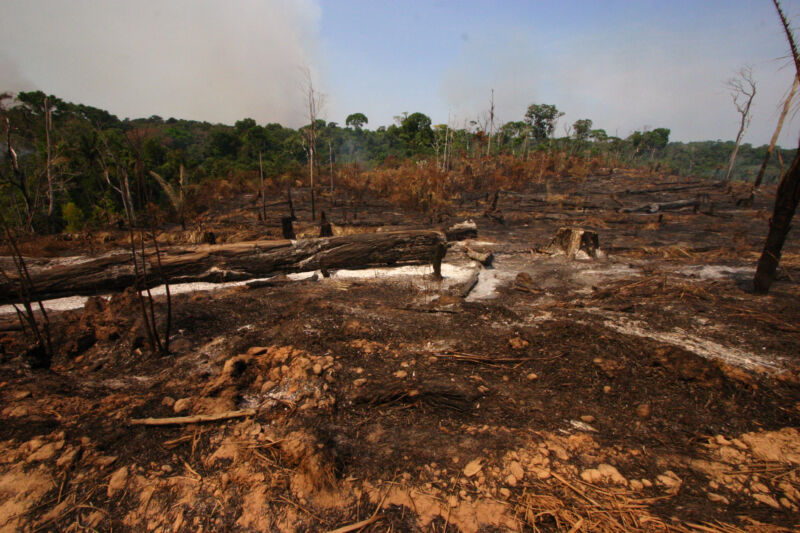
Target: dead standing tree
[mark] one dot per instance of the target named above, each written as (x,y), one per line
(784,111)
(786,199)
(17,178)
(314,102)
(743,90)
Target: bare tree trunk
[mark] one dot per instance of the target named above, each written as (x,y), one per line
(48,162)
(330,159)
(785,111)
(491,126)
(786,200)
(21,182)
(311,173)
(743,90)
(263,210)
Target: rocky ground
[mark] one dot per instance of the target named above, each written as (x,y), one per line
(646,389)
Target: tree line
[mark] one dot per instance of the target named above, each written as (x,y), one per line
(64,165)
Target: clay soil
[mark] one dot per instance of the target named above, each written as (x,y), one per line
(647,389)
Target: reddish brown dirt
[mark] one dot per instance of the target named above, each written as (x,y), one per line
(571,401)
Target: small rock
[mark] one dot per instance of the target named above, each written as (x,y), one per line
(588,419)
(759,487)
(643,410)
(768,500)
(359,382)
(257,350)
(43,453)
(168,401)
(516,470)
(718,498)
(21,394)
(118,481)
(69,457)
(511,480)
(739,444)
(647,482)
(636,485)
(591,475)
(607,389)
(317,369)
(400,374)
(518,343)
(505,493)
(669,479)
(473,467)
(610,472)
(105,460)
(722,441)
(532,377)
(182,405)
(541,473)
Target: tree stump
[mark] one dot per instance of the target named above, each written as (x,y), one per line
(570,241)
(287,228)
(325,229)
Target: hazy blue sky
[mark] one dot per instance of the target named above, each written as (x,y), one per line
(624,64)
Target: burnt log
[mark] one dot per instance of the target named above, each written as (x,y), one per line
(231,262)
(655,207)
(461,231)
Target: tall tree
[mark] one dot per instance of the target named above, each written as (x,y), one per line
(356,120)
(581,128)
(784,111)
(743,90)
(542,119)
(786,199)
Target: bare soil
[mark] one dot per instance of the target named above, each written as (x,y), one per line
(645,390)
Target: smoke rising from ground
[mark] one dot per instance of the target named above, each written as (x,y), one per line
(194,59)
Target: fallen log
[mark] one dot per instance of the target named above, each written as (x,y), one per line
(462,231)
(484,258)
(196,419)
(232,262)
(655,207)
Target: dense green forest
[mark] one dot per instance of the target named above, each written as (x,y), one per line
(65,165)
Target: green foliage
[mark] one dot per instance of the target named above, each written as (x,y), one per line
(73,216)
(542,120)
(582,128)
(356,120)
(91,147)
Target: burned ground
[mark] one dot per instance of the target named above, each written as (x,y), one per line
(647,390)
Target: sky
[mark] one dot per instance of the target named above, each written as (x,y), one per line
(625,64)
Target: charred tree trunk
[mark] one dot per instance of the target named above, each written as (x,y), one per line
(291,204)
(779,225)
(287,230)
(231,262)
(786,199)
(325,229)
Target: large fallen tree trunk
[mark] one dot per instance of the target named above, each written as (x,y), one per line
(232,262)
(655,207)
